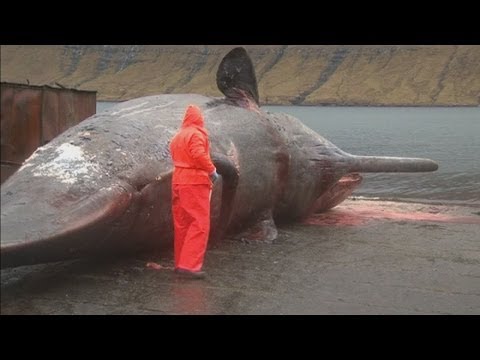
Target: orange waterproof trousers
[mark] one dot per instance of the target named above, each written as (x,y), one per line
(191,221)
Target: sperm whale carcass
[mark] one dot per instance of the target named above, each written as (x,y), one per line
(104,185)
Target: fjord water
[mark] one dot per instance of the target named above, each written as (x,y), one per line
(448,135)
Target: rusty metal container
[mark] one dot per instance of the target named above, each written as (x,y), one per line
(31,116)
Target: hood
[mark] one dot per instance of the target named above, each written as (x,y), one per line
(193,117)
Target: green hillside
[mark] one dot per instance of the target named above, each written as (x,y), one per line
(311,75)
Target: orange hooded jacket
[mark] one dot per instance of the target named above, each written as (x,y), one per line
(190,150)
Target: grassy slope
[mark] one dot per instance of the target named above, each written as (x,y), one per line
(343,75)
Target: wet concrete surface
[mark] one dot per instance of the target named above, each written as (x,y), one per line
(389,265)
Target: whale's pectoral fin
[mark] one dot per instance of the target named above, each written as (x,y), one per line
(263,230)
(43,232)
(236,78)
(230,174)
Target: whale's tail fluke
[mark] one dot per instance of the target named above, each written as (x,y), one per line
(236,77)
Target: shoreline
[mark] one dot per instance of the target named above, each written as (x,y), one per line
(378,105)
(363,257)
(414,201)
(336,105)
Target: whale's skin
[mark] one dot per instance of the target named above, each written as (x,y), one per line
(104,185)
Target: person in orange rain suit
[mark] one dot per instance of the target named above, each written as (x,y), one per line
(193,177)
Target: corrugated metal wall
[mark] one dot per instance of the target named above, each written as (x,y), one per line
(31,116)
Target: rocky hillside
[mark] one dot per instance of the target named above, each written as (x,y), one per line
(309,75)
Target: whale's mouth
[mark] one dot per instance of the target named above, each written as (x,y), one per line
(342,189)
